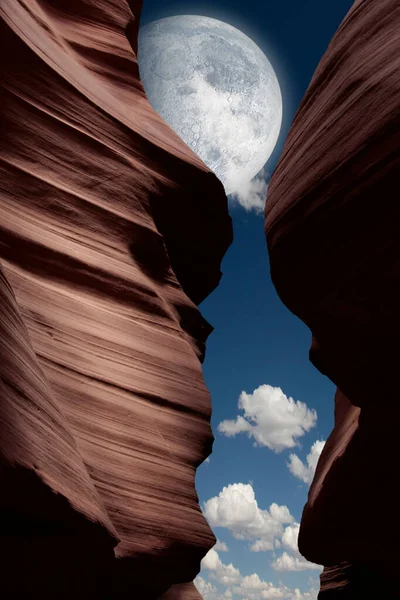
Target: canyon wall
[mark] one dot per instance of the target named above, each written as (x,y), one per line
(111,232)
(332,225)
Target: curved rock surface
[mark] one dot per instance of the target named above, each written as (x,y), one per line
(332,218)
(184,591)
(47,499)
(111,231)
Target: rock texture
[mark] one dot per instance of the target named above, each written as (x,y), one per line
(332,220)
(184,591)
(111,232)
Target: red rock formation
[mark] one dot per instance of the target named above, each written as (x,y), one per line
(332,220)
(111,231)
(184,591)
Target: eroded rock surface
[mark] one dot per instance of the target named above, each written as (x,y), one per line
(332,220)
(111,232)
(184,591)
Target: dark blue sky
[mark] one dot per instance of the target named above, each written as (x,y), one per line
(257,340)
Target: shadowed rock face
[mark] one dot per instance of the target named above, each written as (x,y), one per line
(111,231)
(332,225)
(184,591)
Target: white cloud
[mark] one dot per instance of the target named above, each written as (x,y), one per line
(207,460)
(312,594)
(221,546)
(206,588)
(286,562)
(303,471)
(271,418)
(281,514)
(254,588)
(252,194)
(211,560)
(248,587)
(262,546)
(226,574)
(290,537)
(209,591)
(294,561)
(236,508)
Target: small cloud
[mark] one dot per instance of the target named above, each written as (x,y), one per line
(221,546)
(236,508)
(207,460)
(249,587)
(303,471)
(270,418)
(252,586)
(252,194)
(262,546)
(281,513)
(209,591)
(226,574)
(290,537)
(206,588)
(293,563)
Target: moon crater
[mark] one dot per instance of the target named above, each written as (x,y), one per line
(216,89)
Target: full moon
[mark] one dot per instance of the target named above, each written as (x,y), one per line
(216,89)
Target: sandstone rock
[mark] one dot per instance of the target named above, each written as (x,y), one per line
(111,231)
(332,212)
(48,504)
(184,591)
(332,228)
(357,582)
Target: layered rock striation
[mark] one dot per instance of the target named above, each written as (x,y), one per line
(111,232)
(331,221)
